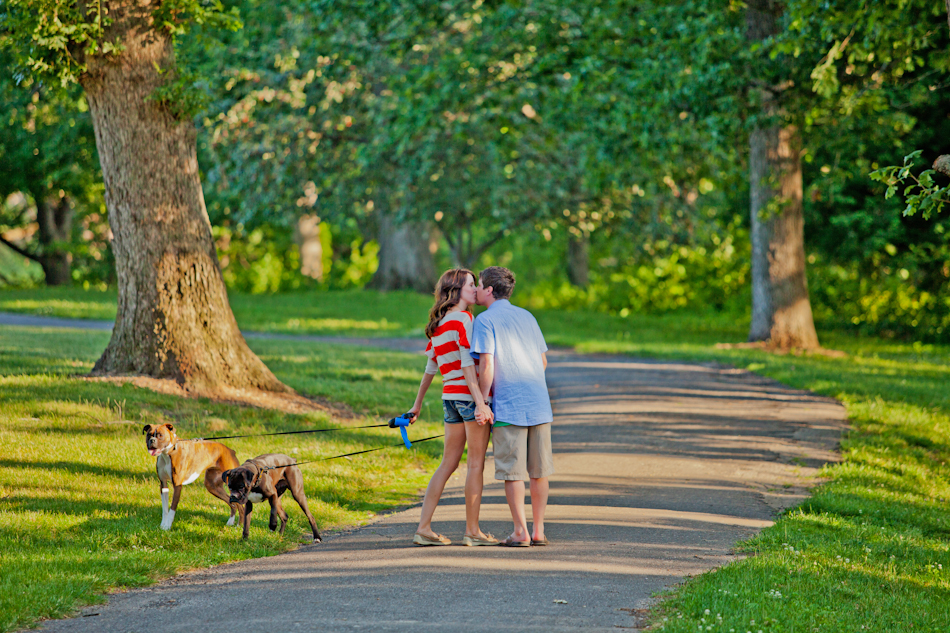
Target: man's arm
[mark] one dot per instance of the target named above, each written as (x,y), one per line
(486,375)
(544,359)
(482,411)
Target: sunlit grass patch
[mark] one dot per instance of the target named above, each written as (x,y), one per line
(79,500)
(66,302)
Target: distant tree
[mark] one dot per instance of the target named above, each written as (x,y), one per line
(173,319)
(781,309)
(47,152)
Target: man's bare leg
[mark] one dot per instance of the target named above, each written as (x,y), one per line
(539,502)
(514,493)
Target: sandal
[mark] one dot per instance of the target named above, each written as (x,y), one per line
(472,541)
(540,542)
(511,542)
(422,539)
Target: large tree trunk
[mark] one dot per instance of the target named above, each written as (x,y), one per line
(781,310)
(54,215)
(173,320)
(578,260)
(405,257)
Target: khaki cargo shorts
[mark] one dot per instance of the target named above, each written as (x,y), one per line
(522,452)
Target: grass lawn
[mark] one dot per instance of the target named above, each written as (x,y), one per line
(869,551)
(79,501)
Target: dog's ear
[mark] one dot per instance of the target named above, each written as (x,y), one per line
(170,427)
(225,476)
(146,428)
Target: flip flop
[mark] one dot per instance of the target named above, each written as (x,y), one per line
(540,543)
(422,539)
(473,541)
(510,542)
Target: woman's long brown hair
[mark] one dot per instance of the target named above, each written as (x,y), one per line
(448,293)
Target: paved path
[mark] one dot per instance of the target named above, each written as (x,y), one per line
(662,468)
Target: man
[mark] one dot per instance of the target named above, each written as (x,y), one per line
(512,359)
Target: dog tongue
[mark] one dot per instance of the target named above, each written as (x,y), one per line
(154,451)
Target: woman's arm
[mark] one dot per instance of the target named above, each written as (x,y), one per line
(423,388)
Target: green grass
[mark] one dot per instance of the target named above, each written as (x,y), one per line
(79,504)
(353,313)
(871,546)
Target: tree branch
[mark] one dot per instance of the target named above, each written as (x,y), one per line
(19,250)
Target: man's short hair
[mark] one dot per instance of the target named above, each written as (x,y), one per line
(500,280)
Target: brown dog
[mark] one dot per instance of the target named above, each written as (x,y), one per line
(267,477)
(181,462)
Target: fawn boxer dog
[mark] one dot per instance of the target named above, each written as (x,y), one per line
(267,477)
(180,462)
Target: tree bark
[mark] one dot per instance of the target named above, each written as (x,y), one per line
(781,309)
(405,257)
(173,320)
(578,260)
(54,215)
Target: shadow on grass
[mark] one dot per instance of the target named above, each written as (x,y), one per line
(78,468)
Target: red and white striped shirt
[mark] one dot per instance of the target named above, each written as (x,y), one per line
(448,353)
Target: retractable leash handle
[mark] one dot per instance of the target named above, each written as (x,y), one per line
(401,422)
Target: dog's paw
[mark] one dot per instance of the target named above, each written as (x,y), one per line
(231,522)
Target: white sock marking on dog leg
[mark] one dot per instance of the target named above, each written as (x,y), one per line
(231,520)
(167,525)
(164,506)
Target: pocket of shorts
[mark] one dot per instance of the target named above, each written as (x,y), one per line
(466,409)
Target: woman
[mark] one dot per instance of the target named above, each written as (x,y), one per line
(450,332)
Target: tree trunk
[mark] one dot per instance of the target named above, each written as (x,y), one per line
(578,260)
(405,257)
(173,320)
(781,310)
(54,215)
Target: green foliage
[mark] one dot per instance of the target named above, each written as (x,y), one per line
(266,259)
(54,38)
(921,192)
(882,61)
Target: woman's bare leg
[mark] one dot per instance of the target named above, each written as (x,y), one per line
(477,436)
(454,446)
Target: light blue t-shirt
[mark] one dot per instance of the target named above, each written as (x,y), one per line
(512,335)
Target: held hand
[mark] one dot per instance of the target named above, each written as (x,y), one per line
(413,414)
(483,414)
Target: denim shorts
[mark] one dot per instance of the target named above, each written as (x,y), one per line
(458,411)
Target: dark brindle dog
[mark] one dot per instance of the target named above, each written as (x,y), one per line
(257,479)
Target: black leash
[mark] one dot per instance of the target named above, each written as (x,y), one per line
(231,437)
(370,450)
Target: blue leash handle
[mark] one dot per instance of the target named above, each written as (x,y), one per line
(401,422)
